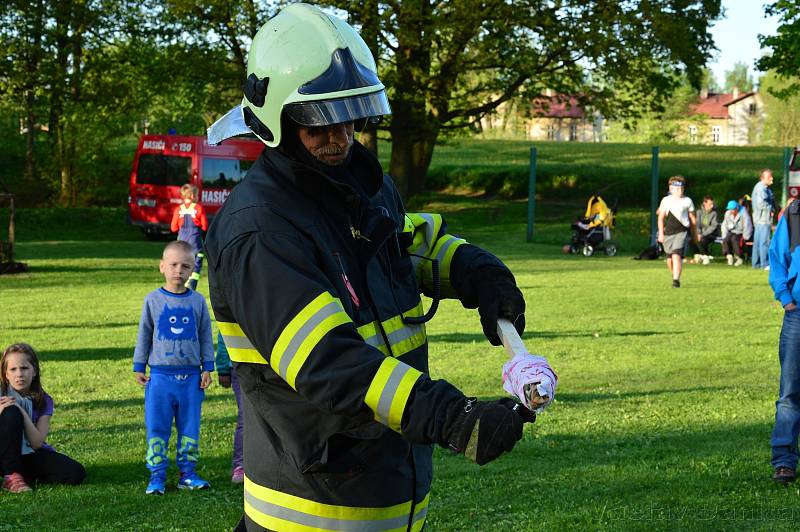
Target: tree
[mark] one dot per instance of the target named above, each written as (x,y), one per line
(782,115)
(784,56)
(447,64)
(738,78)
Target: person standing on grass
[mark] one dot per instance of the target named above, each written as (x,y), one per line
(676,221)
(175,341)
(25,414)
(227,379)
(783,255)
(763,206)
(315,276)
(733,227)
(190,222)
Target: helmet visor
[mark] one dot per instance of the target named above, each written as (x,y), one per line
(327,112)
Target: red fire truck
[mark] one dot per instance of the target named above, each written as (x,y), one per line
(163,163)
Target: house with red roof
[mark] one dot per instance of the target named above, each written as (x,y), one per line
(729,119)
(549,117)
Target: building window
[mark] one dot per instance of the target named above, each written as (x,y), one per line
(551,132)
(716,134)
(752,109)
(573,132)
(693,134)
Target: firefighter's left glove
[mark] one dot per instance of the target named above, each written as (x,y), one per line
(499,297)
(483,430)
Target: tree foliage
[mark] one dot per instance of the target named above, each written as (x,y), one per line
(449,63)
(738,78)
(83,74)
(782,115)
(784,56)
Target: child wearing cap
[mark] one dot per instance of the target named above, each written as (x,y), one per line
(733,226)
(676,220)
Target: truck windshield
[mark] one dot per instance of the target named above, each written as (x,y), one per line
(157,169)
(223,173)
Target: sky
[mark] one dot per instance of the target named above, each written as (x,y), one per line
(736,36)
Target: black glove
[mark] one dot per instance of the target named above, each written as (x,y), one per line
(483,430)
(499,298)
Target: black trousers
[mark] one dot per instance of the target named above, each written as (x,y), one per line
(44,465)
(730,244)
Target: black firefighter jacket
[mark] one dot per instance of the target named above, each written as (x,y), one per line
(312,286)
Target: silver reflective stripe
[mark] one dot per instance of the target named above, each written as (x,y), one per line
(444,248)
(308,327)
(429,235)
(375,340)
(324,523)
(389,391)
(420,515)
(404,334)
(237,342)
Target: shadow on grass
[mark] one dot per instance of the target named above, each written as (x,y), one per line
(132,401)
(77,355)
(93,325)
(567,397)
(468,338)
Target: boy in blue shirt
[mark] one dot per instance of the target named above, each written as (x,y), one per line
(175,341)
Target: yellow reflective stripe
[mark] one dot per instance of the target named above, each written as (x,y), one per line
(388,393)
(281,511)
(240,349)
(443,251)
(426,231)
(372,335)
(304,332)
(403,338)
(408,224)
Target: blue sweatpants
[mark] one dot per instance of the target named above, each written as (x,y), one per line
(168,397)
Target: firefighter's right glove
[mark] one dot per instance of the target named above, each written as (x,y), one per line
(499,297)
(483,430)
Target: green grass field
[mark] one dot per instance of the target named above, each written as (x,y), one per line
(662,419)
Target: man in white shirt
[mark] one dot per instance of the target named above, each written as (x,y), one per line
(675,220)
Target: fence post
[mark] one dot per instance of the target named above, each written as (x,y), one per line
(787,157)
(531,195)
(653,196)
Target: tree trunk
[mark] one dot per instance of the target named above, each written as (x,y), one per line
(413,138)
(369,138)
(34,43)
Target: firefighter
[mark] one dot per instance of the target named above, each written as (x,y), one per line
(315,275)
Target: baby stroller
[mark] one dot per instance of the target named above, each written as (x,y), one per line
(592,233)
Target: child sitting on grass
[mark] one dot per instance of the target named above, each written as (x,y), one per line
(175,341)
(25,413)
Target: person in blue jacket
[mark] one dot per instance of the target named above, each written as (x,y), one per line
(784,260)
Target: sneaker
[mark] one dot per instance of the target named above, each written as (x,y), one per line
(676,283)
(738,261)
(15,483)
(237,477)
(157,484)
(192,481)
(783,475)
(730,259)
(766,268)
(706,260)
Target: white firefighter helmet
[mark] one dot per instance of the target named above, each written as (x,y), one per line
(315,67)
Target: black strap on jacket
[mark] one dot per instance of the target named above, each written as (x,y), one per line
(792,214)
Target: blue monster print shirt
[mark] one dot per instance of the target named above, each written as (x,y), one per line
(174,334)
